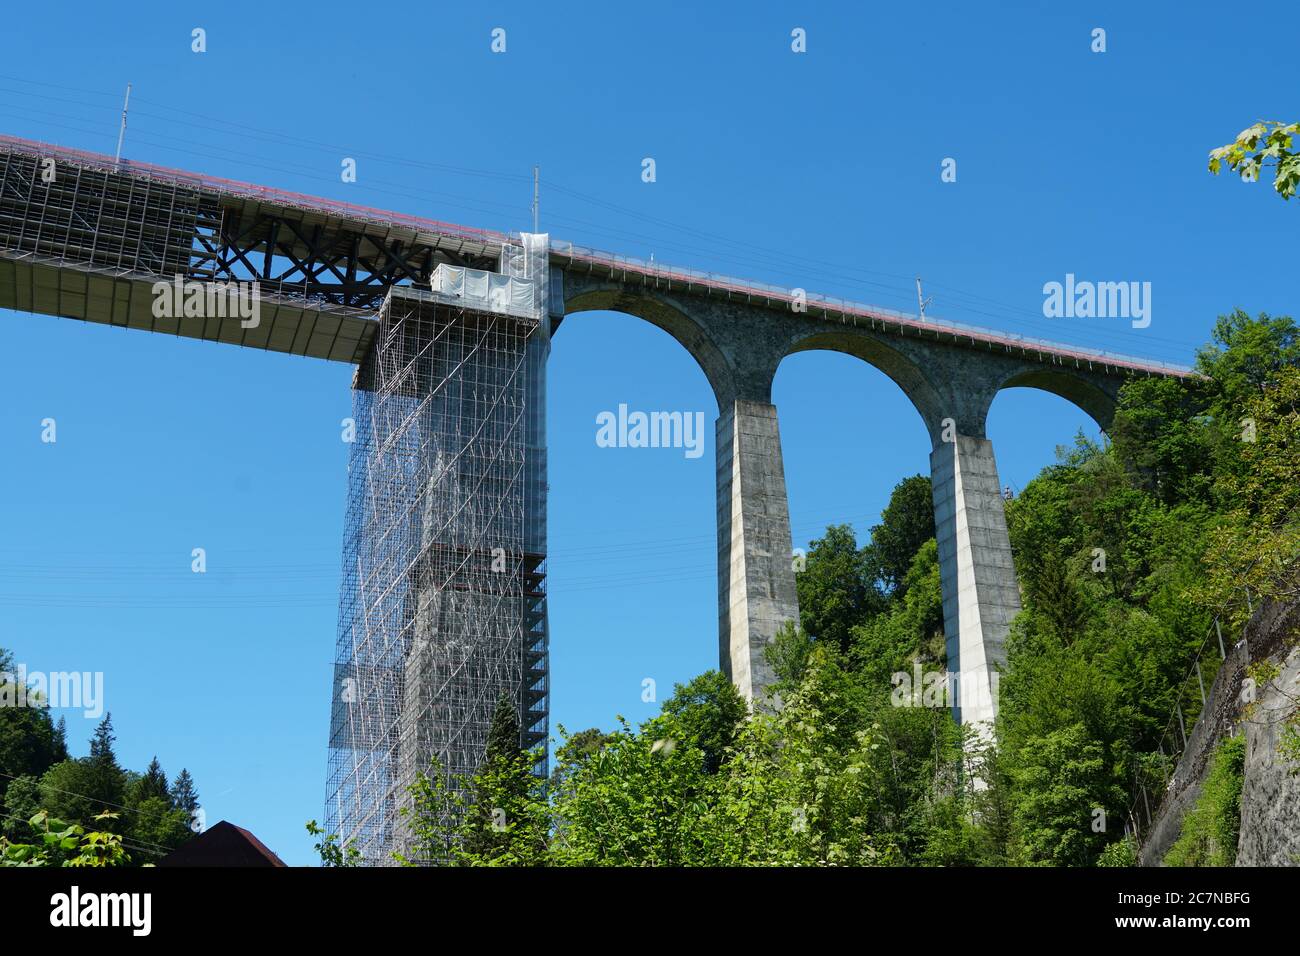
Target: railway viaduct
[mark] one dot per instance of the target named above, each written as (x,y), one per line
(86,237)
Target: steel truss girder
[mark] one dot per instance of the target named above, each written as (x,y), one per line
(326,261)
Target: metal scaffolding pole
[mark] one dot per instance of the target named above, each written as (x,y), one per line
(442,609)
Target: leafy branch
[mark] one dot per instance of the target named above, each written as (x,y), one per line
(1267,143)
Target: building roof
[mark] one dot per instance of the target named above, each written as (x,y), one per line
(223,844)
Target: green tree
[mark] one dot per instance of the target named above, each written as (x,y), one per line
(1161,437)
(641,800)
(1265,144)
(153,783)
(1246,354)
(788,655)
(707,713)
(1255,365)
(156,823)
(101,744)
(61,740)
(1123,852)
(574,753)
(431,820)
(836,588)
(29,742)
(906,523)
(331,853)
(910,631)
(184,795)
(506,823)
(1064,792)
(79,790)
(823,781)
(22,801)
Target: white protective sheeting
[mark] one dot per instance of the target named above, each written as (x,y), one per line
(449,280)
(490,291)
(530,260)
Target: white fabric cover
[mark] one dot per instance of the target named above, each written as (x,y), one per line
(484,290)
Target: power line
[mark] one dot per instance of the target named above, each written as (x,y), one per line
(784,258)
(106,803)
(126,844)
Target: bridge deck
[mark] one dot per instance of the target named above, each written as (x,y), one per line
(346,333)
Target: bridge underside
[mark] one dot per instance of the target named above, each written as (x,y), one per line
(28,284)
(90,240)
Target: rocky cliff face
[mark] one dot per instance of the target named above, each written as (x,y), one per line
(1270,799)
(1218,720)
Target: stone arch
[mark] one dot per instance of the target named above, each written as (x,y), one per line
(691,334)
(902,370)
(1096,398)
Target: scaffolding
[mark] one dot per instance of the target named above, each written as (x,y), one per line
(443,606)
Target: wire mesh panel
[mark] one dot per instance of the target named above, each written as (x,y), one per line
(442,609)
(92,217)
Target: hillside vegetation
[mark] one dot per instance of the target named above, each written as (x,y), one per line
(1127,553)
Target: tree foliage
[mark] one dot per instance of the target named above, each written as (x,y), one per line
(1265,144)
(1209,832)
(103,814)
(1126,553)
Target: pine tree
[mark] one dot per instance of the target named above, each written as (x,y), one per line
(79,789)
(101,744)
(152,784)
(183,793)
(503,824)
(503,735)
(61,740)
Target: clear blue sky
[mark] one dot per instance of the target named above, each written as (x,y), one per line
(819,170)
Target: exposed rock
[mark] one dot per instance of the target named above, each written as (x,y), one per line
(1270,800)
(1218,720)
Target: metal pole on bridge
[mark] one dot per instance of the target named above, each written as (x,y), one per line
(535,199)
(921,303)
(121,133)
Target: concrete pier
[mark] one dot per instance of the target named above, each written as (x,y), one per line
(980,593)
(756,592)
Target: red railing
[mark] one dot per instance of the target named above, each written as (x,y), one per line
(620,263)
(283,197)
(594,257)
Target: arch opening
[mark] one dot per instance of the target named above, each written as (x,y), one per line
(873,438)
(1099,405)
(687,332)
(630,527)
(1030,425)
(900,369)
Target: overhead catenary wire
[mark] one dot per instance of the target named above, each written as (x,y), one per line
(966,301)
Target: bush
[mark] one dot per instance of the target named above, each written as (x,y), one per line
(1209,834)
